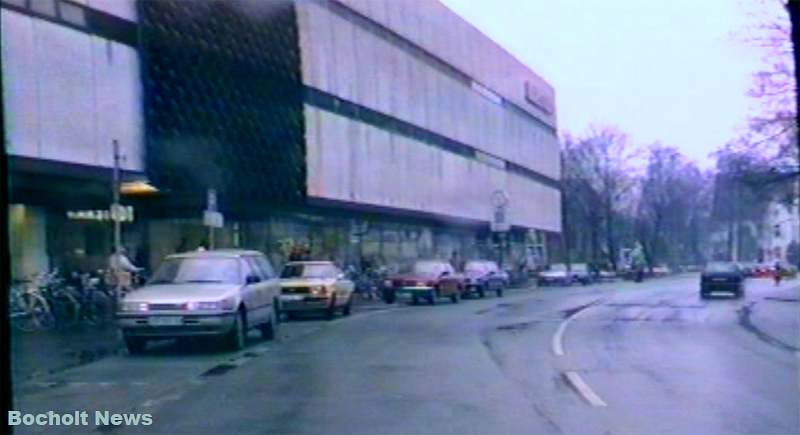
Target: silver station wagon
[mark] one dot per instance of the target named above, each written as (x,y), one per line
(221,293)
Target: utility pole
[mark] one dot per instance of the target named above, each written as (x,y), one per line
(116,215)
(115,207)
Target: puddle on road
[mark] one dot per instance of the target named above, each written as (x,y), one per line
(516,327)
(219,370)
(780,299)
(745,321)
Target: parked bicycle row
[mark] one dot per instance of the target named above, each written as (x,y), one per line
(51,300)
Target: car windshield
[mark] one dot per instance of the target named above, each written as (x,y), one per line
(721,268)
(322,271)
(476,266)
(558,267)
(198,270)
(427,268)
(580,268)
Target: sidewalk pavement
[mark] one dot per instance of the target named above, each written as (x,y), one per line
(37,354)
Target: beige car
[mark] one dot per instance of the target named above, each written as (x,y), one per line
(315,286)
(221,293)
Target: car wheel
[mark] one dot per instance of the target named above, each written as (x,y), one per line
(269,330)
(347,307)
(455,297)
(238,336)
(389,296)
(481,291)
(330,312)
(432,297)
(135,345)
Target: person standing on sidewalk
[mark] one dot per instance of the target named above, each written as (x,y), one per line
(777,275)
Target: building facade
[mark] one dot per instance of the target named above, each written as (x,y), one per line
(71,85)
(371,129)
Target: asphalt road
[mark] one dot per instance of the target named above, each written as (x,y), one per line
(613,358)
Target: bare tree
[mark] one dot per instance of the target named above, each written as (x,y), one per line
(597,178)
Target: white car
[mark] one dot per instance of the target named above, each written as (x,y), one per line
(315,286)
(555,274)
(221,293)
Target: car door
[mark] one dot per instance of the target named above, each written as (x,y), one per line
(273,289)
(256,297)
(345,284)
(449,279)
(340,286)
(492,276)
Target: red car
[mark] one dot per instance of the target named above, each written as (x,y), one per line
(428,280)
(763,270)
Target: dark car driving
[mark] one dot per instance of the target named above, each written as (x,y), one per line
(722,277)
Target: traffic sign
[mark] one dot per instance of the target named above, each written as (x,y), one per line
(213,219)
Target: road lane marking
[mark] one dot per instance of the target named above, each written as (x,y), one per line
(578,384)
(557,343)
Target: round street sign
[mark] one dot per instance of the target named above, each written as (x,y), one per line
(499,198)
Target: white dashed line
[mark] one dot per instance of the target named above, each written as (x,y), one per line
(583,389)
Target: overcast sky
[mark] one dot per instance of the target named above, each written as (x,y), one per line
(669,71)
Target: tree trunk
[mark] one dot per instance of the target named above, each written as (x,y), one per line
(793,6)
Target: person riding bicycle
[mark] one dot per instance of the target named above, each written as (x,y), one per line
(121,270)
(777,274)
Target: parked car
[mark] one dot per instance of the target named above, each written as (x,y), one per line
(763,270)
(748,268)
(721,277)
(579,272)
(426,279)
(221,293)
(315,286)
(482,276)
(606,275)
(661,270)
(556,274)
(787,270)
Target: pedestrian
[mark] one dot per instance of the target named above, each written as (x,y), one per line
(121,269)
(777,273)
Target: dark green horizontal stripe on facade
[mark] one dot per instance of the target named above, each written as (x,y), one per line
(331,103)
(95,22)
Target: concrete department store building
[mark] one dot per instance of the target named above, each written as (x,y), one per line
(372,128)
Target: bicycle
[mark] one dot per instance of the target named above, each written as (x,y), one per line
(29,309)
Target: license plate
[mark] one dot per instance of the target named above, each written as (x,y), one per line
(166,321)
(292,298)
(720,279)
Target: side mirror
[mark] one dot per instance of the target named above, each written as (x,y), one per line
(445,273)
(252,279)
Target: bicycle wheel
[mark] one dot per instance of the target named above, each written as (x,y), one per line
(39,311)
(65,308)
(19,316)
(97,310)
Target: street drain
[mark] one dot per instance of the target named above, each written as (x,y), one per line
(219,370)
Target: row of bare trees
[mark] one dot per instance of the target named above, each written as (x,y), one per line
(615,196)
